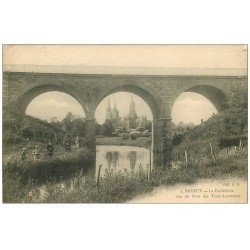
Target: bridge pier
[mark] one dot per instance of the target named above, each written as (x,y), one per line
(90,131)
(162,141)
(91,144)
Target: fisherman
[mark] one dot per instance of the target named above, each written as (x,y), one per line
(50,149)
(23,155)
(36,153)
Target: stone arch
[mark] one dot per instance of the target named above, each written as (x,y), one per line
(215,95)
(29,94)
(151,101)
(161,125)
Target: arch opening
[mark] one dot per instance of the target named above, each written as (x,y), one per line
(124,110)
(58,117)
(191,109)
(54,106)
(125,120)
(147,97)
(197,104)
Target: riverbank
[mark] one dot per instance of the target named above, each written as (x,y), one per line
(62,180)
(138,142)
(122,186)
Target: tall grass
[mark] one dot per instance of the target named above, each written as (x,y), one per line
(64,180)
(116,187)
(60,167)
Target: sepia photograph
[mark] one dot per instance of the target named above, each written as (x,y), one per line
(125,124)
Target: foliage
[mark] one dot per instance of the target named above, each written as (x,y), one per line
(27,132)
(73,125)
(122,186)
(107,128)
(229,123)
(98,129)
(61,166)
(11,138)
(24,127)
(230,141)
(138,142)
(177,139)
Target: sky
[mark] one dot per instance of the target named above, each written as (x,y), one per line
(188,107)
(172,56)
(54,104)
(192,107)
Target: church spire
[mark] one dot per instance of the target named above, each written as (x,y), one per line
(115,111)
(108,111)
(132,112)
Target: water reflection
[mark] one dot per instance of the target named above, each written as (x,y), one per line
(118,158)
(132,159)
(112,158)
(115,158)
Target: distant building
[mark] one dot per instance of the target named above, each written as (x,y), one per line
(132,115)
(142,121)
(131,121)
(109,115)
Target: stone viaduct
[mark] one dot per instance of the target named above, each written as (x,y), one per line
(158,91)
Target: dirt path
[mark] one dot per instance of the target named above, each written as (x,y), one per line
(204,191)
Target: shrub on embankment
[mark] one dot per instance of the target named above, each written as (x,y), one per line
(18,128)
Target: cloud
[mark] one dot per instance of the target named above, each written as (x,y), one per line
(50,103)
(54,104)
(192,108)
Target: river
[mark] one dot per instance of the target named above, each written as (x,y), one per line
(118,158)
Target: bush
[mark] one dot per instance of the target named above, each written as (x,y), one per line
(49,170)
(230,141)
(27,133)
(177,139)
(11,138)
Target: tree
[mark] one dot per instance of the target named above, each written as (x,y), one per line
(77,127)
(67,121)
(107,128)
(98,129)
(53,119)
(148,126)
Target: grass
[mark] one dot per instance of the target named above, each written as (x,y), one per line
(64,179)
(138,142)
(49,170)
(115,187)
